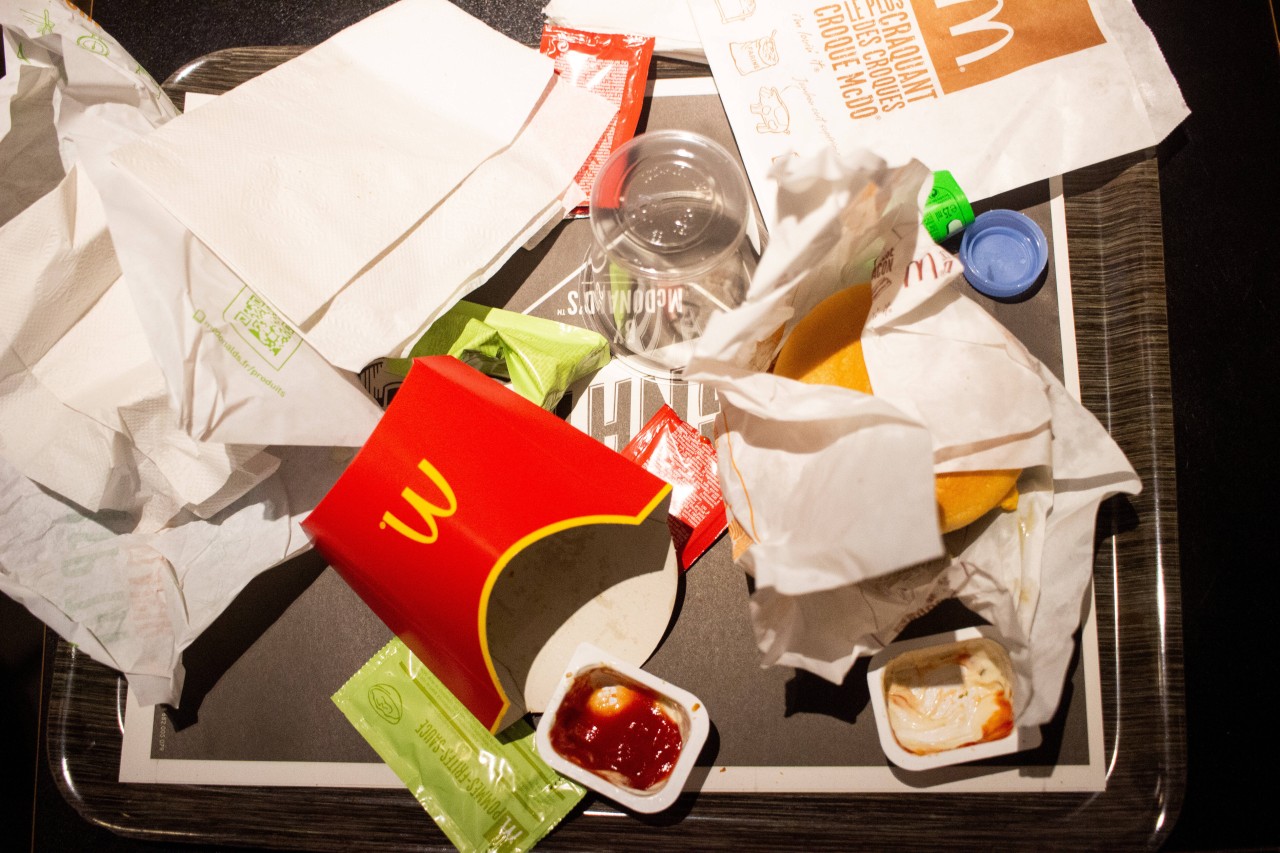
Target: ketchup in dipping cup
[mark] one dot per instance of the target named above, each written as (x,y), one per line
(621,731)
(617,729)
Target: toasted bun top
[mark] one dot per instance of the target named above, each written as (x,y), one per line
(825,348)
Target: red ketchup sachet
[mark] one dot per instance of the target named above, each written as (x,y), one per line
(613,66)
(673,450)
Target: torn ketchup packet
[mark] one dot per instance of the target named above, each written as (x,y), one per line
(611,65)
(674,451)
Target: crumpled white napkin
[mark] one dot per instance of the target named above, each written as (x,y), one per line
(134,601)
(843,521)
(117,528)
(85,410)
(358,186)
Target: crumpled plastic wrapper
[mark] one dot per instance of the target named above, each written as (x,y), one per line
(541,358)
(835,488)
(486,793)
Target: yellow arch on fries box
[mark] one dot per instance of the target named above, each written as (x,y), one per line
(492,538)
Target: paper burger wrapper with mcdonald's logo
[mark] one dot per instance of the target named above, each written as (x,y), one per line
(1001,94)
(493,538)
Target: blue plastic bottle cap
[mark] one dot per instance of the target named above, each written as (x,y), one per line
(1003,253)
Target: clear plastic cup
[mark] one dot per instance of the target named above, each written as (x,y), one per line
(669,219)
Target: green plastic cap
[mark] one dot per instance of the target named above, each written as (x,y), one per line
(947,209)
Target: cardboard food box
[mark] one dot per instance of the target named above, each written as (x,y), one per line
(493,538)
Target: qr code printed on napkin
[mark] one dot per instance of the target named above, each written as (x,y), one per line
(262,328)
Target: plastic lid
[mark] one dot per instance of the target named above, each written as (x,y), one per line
(1003,253)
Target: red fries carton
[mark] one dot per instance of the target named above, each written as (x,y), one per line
(493,538)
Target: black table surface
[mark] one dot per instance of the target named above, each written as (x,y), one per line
(1218,175)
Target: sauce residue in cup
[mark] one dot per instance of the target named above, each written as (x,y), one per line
(950,696)
(618,729)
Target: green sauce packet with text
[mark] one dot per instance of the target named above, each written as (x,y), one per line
(486,792)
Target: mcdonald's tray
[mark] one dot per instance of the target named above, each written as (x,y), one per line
(251,756)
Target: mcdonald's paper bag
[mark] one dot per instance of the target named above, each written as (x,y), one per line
(1000,93)
(492,538)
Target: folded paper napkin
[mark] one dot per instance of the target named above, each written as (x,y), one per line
(506,203)
(363,187)
(836,487)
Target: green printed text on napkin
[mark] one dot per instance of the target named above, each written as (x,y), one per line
(485,792)
(542,358)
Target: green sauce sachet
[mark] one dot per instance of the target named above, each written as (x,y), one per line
(540,357)
(486,792)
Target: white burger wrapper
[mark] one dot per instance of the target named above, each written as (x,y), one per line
(119,528)
(836,487)
(134,601)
